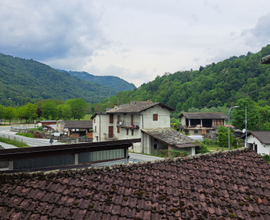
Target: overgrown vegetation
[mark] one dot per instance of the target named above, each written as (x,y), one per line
(29,135)
(13,142)
(166,153)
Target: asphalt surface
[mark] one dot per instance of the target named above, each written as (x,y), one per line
(36,142)
(32,142)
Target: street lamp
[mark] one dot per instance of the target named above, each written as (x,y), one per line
(229,126)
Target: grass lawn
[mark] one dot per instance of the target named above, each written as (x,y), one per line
(214,148)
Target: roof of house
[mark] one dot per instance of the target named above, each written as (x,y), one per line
(205,115)
(262,136)
(79,124)
(134,107)
(232,185)
(47,121)
(171,137)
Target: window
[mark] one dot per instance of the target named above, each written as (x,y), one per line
(118,119)
(155,139)
(155,117)
(127,131)
(94,120)
(196,132)
(155,146)
(118,129)
(111,118)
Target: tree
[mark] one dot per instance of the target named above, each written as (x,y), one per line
(78,107)
(66,112)
(21,112)
(10,113)
(223,136)
(2,112)
(49,110)
(252,114)
(31,111)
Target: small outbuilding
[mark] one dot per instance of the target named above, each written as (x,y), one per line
(167,138)
(83,128)
(259,141)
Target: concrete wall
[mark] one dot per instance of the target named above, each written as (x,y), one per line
(101,123)
(163,118)
(260,147)
(183,121)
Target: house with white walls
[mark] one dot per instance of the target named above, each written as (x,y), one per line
(128,120)
(202,123)
(259,141)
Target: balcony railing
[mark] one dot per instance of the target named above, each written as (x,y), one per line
(125,124)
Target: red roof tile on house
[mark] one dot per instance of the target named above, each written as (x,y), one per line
(233,185)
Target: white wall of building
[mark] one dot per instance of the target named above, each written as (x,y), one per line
(163,118)
(261,148)
(143,120)
(100,126)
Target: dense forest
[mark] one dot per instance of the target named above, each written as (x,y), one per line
(23,81)
(217,84)
(111,81)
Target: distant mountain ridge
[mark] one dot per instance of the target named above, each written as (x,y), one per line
(111,81)
(23,80)
(216,84)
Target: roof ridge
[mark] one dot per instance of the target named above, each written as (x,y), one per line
(119,167)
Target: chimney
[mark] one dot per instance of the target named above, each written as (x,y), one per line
(115,105)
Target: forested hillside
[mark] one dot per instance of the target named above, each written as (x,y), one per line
(111,81)
(24,80)
(209,86)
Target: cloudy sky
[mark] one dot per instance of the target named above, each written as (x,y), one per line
(134,40)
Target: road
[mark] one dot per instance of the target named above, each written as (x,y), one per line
(36,142)
(32,142)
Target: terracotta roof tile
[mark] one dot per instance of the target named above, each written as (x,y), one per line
(213,186)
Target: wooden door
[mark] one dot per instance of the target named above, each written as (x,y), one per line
(131,119)
(110,131)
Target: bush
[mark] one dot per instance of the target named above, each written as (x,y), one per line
(202,149)
(29,135)
(266,157)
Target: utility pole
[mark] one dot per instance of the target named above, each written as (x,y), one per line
(246,125)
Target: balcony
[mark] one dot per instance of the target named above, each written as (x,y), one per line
(125,124)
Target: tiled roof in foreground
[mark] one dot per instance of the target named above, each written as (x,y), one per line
(233,185)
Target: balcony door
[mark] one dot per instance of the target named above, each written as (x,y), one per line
(110,131)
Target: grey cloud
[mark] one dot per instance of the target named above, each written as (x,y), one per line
(259,35)
(46,30)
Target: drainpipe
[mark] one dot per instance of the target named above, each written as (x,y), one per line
(99,135)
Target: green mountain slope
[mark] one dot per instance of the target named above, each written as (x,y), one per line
(209,86)
(111,81)
(25,80)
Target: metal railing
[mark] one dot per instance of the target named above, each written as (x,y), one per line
(128,124)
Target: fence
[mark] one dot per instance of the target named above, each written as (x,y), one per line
(65,139)
(21,127)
